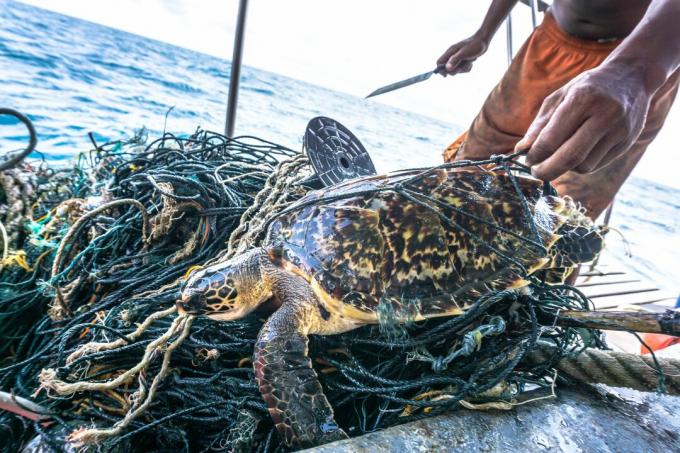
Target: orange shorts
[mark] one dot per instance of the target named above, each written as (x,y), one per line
(548,60)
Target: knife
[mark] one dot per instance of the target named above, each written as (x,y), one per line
(406,82)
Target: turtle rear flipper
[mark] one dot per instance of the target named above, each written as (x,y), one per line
(576,245)
(288,383)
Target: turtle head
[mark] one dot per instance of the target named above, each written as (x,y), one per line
(225,291)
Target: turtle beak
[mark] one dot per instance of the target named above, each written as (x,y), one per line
(191,303)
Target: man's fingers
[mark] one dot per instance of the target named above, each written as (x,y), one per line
(465,66)
(564,121)
(446,55)
(453,63)
(542,118)
(462,67)
(612,155)
(572,153)
(607,145)
(531,134)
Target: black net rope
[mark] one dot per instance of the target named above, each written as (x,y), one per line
(124,264)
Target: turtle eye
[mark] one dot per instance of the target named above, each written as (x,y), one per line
(201,285)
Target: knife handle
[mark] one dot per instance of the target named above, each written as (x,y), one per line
(440,69)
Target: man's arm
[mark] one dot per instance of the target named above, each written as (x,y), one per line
(596,117)
(459,57)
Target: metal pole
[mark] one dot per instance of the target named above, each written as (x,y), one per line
(533,4)
(508,28)
(607,218)
(608,214)
(235,69)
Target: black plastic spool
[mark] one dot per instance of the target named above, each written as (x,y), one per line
(335,153)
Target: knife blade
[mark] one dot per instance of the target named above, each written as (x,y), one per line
(406,82)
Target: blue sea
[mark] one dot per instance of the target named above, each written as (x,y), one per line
(72,77)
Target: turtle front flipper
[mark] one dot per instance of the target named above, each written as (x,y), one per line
(288,383)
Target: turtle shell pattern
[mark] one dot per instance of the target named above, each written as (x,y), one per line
(428,249)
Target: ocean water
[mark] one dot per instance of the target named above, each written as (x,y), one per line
(72,77)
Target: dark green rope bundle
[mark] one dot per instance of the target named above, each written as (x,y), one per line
(114,273)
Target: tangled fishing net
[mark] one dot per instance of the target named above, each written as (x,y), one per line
(92,260)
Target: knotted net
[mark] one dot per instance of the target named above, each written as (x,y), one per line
(90,330)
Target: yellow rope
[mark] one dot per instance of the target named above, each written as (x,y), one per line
(141,398)
(269,201)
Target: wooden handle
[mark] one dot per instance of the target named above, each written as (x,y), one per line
(667,323)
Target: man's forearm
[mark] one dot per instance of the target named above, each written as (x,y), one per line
(496,14)
(654,45)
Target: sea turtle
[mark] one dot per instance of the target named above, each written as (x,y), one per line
(415,244)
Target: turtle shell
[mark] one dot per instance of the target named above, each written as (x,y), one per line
(411,237)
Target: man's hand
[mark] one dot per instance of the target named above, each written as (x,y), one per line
(588,123)
(459,57)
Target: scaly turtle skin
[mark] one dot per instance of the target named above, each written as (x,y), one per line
(409,245)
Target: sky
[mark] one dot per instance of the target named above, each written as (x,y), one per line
(353,46)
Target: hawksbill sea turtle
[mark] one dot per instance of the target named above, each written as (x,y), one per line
(416,244)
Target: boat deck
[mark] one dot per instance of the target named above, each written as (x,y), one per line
(610,287)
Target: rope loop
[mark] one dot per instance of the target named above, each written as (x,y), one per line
(470,343)
(32,138)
